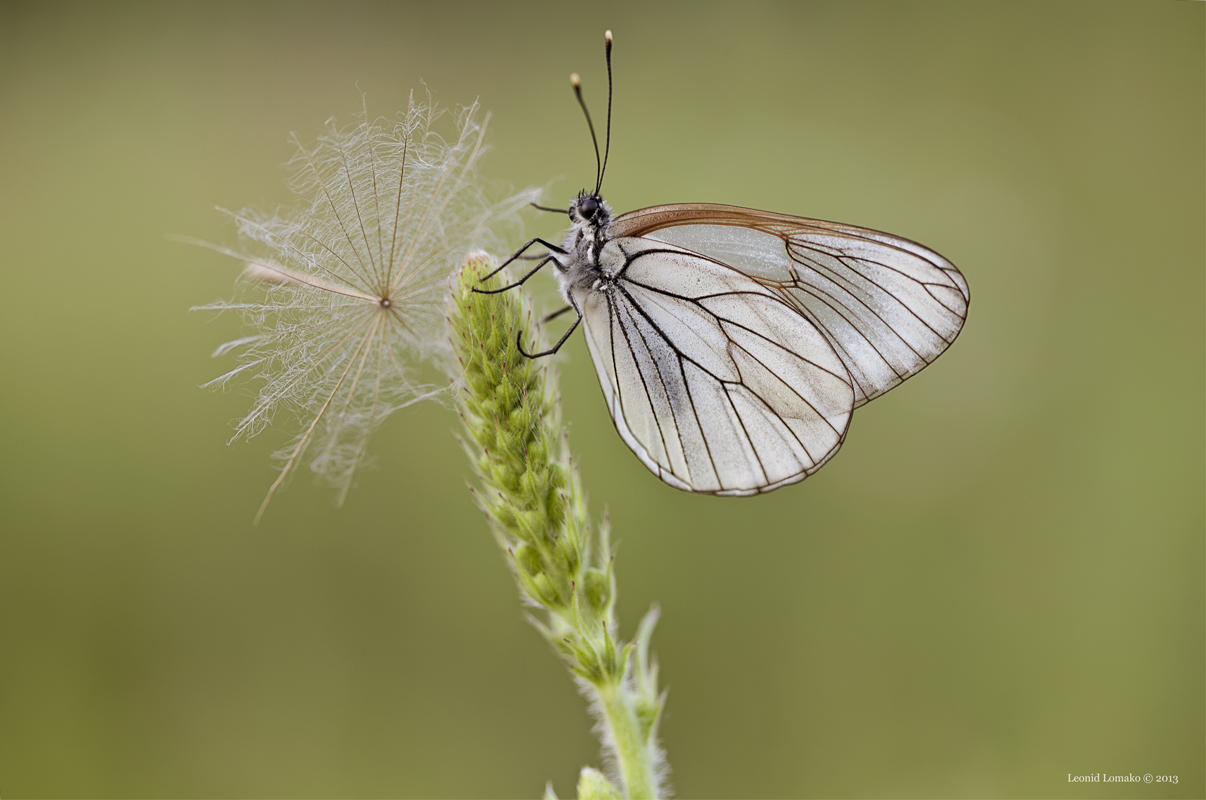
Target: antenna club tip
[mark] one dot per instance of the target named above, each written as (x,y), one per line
(607,37)
(575,81)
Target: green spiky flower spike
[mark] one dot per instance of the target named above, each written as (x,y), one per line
(532,495)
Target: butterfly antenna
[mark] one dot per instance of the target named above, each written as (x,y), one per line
(607,147)
(576,82)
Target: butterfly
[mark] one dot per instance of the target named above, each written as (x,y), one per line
(733,345)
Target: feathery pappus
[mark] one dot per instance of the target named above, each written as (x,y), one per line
(345,291)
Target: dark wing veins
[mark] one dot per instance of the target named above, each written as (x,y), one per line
(682,357)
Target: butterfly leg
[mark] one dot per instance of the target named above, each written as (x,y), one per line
(519,282)
(556,314)
(518,253)
(561,341)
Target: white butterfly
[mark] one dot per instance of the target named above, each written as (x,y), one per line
(733,345)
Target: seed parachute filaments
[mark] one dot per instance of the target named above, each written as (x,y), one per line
(345,291)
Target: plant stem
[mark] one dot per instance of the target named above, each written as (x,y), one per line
(532,495)
(632,747)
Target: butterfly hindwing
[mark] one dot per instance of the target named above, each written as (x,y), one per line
(716,382)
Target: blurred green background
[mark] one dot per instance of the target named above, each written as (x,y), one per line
(999,581)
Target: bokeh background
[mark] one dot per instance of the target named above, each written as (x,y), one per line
(999,581)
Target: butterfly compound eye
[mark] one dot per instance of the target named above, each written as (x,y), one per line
(588,207)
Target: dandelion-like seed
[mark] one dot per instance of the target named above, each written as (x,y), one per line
(346,291)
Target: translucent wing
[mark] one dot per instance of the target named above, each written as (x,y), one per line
(887,305)
(715,382)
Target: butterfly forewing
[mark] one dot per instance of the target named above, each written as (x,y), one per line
(887,306)
(715,381)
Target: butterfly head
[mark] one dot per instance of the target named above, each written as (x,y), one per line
(588,209)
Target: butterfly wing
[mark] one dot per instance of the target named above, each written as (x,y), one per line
(714,381)
(887,305)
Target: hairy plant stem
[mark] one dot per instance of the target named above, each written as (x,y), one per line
(632,747)
(532,496)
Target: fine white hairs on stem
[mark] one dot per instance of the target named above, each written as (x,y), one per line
(346,291)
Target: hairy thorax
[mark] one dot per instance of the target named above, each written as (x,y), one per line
(587,263)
